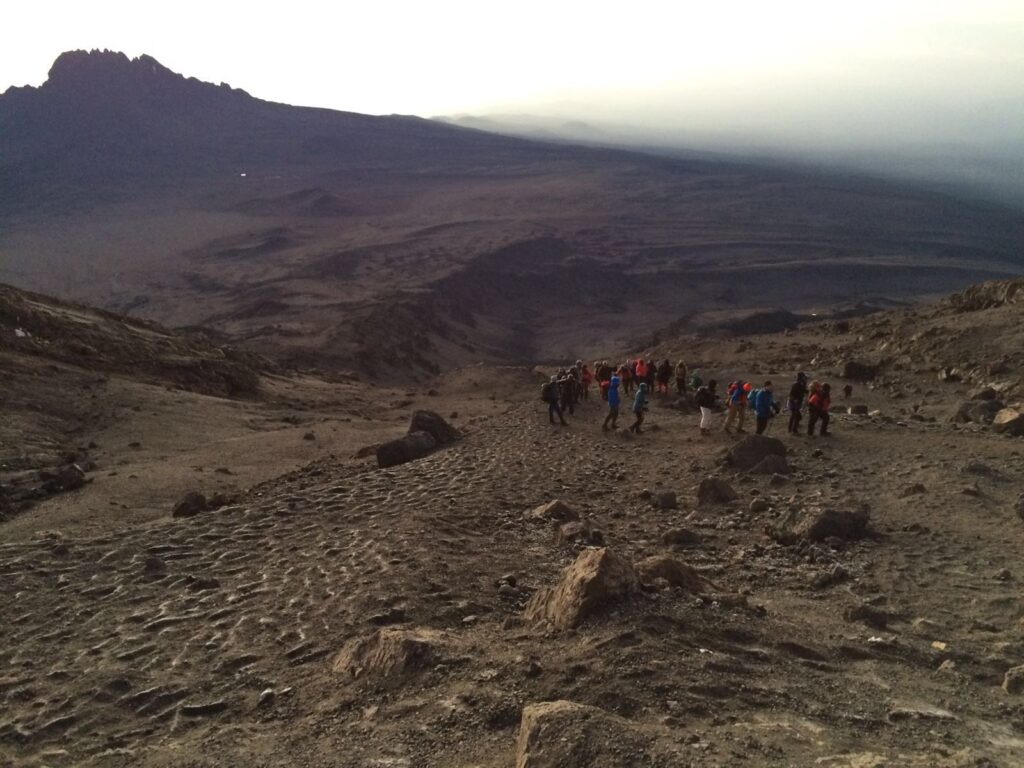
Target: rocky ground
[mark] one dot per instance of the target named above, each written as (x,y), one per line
(859,605)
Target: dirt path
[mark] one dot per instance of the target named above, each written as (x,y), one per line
(156,645)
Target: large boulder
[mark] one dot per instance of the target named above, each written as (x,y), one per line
(821,524)
(387,654)
(413,446)
(435,426)
(69,478)
(564,734)
(752,450)
(857,370)
(191,504)
(713,490)
(976,412)
(1009,421)
(598,578)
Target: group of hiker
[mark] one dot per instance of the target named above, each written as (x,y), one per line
(569,386)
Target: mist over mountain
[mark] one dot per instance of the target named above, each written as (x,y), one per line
(394,245)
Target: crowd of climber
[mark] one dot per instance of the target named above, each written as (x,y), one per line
(636,381)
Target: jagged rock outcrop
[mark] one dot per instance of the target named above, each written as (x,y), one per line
(387,654)
(597,579)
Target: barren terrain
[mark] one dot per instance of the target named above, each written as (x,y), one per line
(333,613)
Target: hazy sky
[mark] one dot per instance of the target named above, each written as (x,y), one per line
(917,71)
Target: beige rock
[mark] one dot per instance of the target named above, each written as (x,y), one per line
(1013,681)
(560,734)
(556,511)
(595,580)
(675,572)
(387,653)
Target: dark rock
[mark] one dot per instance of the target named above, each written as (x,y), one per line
(309,436)
(817,525)
(713,490)
(983,393)
(413,446)
(667,500)
(976,412)
(759,505)
(435,426)
(914,489)
(679,537)
(578,532)
(859,371)
(752,450)
(858,410)
(868,614)
(1019,506)
(69,478)
(192,504)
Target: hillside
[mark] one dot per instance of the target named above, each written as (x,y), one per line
(399,247)
(710,601)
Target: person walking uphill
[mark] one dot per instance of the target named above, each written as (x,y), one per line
(705,399)
(764,405)
(664,376)
(639,406)
(681,378)
(818,406)
(613,404)
(797,393)
(738,407)
(550,394)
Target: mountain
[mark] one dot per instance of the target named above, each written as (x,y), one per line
(102,120)
(395,247)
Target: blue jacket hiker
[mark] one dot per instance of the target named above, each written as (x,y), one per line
(764,406)
(613,404)
(639,406)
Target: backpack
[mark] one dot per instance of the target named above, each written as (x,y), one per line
(545,391)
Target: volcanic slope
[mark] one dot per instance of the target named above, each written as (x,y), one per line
(400,246)
(347,615)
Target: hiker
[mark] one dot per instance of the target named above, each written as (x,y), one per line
(764,405)
(626,376)
(847,391)
(567,390)
(696,381)
(652,375)
(639,406)
(738,407)
(664,376)
(818,405)
(586,377)
(680,378)
(612,396)
(640,370)
(705,399)
(796,402)
(549,394)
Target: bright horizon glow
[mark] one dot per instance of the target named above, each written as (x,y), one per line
(455,56)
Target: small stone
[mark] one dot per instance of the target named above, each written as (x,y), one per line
(759,505)
(309,436)
(1013,681)
(266,698)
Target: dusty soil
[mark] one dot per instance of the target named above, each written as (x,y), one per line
(138,639)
